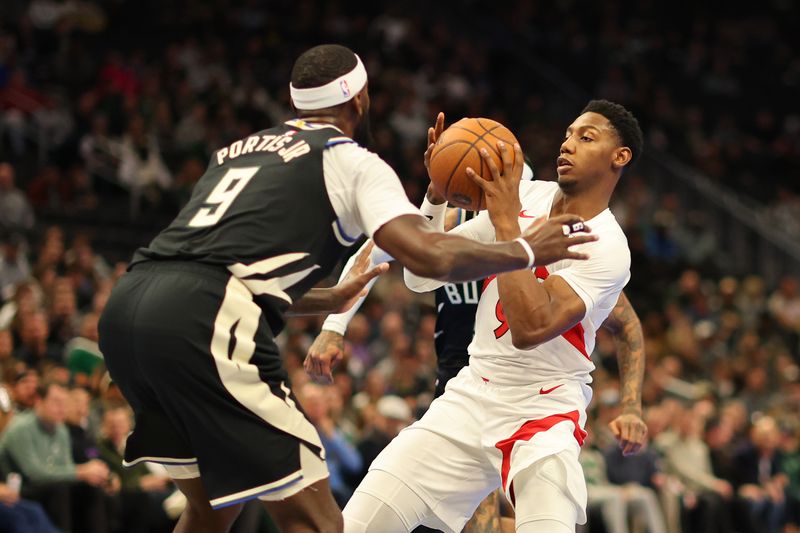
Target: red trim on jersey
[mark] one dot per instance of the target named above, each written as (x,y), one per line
(541,273)
(526,432)
(575,335)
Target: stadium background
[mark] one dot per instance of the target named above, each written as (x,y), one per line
(110,110)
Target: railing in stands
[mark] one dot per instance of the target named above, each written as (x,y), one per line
(748,240)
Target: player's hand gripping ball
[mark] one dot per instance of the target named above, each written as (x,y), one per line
(457,148)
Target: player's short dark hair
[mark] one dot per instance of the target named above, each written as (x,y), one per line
(623,121)
(322,64)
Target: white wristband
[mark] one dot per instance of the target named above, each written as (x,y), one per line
(436,213)
(528,250)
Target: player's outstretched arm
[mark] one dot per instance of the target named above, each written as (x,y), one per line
(324,354)
(344,295)
(328,348)
(446,257)
(337,322)
(624,324)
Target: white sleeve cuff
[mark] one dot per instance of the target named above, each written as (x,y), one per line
(435,213)
(336,323)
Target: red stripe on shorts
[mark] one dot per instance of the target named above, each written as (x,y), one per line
(531,428)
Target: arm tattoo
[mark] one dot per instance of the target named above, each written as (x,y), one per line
(629,339)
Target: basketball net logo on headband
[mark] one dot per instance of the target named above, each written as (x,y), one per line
(335,92)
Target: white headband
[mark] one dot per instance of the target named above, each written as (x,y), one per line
(333,93)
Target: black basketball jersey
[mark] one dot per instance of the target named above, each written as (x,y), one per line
(262,211)
(456,304)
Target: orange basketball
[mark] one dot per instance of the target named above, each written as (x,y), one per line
(458,148)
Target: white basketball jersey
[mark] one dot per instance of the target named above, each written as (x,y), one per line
(598,281)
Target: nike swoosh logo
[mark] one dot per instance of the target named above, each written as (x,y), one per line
(548,391)
(437,333)
(523,215)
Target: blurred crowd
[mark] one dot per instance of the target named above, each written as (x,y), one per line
(110,110)
(132,97)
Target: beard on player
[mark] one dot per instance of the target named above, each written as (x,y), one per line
(567,184)
(363,131)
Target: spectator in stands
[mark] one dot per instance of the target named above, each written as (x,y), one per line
(142,169)
(14,265)
(790,467)
(82,354)
(86,269)
(382,423)
(63,311)
(620,502)
(357,335)
(16,213)
(601,493)
(84,444)
(373,389)
(6,407)
(341,456)
(719,435)
(639,478)
(49,259)
(35,347)
(784,304)
(49,190)
(8,364)
(190,133)
(22,516)
(758,477)
(37,445)
(100,151)
(24,394)
(19,103)
(686,455)
(84,199)
(142,492)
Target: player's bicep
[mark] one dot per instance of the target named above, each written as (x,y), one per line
(567,308)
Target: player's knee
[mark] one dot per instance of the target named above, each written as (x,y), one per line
(542,497)
(383,504)
(365,513)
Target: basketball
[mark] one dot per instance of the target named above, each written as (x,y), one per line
(459,147)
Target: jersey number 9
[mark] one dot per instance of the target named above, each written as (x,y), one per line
(223,195)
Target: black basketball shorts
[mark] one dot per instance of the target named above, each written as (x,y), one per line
(195,358)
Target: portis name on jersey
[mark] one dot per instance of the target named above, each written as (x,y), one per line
(265,143)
